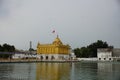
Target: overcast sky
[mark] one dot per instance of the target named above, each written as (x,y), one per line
(77,22)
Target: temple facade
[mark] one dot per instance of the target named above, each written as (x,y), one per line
(55,51)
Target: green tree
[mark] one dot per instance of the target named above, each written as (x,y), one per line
(91,50)
(77,52)
(0,48)
(6,48)
(93,47)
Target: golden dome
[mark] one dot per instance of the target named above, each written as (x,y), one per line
(57,41)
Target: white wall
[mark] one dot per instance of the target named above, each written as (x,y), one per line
(56,56)
(18,56)
(105,56)
(87,59)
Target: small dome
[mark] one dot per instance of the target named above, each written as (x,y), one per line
(57,41)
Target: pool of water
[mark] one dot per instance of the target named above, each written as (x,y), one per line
(60,71)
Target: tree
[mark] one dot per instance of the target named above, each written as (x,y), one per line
(6,48)
(77,52)
(91,50)
(0,48)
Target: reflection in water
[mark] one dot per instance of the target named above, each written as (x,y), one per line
(60,71)
(17,71)
(84,71)
(52,71)
(5,70)
(105,69)
(108,71)
(23,71)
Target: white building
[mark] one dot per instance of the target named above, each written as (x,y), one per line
(72,56)
(104,54)
(107,54)
(20,55)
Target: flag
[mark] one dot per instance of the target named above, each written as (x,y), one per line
(53,31)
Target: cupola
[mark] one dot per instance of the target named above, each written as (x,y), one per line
(57,41)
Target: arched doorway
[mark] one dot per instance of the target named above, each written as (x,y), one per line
(41,57)
(46,57)
(52,57)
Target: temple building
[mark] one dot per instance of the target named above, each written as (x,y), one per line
(108,54)
(55,51)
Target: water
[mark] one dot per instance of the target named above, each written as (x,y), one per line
(60,71)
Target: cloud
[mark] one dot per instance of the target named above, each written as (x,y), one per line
(78,22)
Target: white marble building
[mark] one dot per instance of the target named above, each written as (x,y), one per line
(107,54)
(19,55)
(104,54)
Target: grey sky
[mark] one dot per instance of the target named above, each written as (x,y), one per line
(77,22)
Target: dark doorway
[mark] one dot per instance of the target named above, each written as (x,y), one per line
(41,58)
(52,58)
(46,57)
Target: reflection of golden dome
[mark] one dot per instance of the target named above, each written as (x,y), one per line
(57,41)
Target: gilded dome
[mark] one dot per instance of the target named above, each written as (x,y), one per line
(57,41)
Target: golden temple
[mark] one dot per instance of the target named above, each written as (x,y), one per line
(56,50)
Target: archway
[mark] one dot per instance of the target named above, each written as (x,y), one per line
(52,57)
(41,58)
(46,57)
